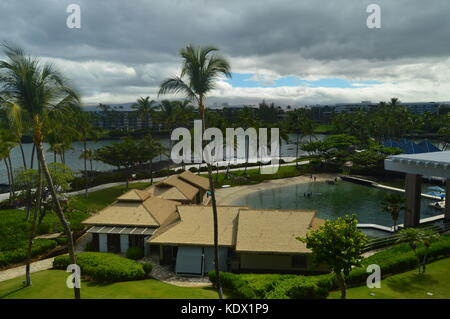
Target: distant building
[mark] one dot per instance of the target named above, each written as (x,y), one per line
(420,108)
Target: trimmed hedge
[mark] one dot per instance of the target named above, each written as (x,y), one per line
(398,259)
(104,267)
(40,246)
(394,260)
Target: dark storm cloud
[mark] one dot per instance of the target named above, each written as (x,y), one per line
(147,35)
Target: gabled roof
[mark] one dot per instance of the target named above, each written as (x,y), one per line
(173,188)
(194,179)
(273,231)
(134,195)
(195,227)
(123,214)
(163,211)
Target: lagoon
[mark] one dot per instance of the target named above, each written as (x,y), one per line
(331,201)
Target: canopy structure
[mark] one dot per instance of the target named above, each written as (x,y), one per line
(121,230)
(436,164)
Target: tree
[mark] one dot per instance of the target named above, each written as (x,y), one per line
(84,129)
(414,237)
(127,154)
(394,204)
(201,68)
(41,97)
(428,236)
(338,244)
(145,109)
(151,149)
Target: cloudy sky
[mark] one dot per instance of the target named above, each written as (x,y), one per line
(291,52)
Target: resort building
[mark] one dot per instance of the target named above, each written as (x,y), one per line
(173,221)
(434,164)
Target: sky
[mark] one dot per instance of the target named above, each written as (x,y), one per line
(298,52)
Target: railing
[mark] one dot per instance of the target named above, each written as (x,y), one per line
(397,238)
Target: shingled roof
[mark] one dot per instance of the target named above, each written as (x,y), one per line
(273,231)
(195,226)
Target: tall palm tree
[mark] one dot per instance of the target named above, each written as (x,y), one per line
(7,142)
(84,129)
(394,204)
(41,96)
(201,68)
(145,109)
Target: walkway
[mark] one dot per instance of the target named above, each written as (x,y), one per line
(20,271)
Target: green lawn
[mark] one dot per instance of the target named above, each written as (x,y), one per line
(102,198)
(409,285)
(51,284)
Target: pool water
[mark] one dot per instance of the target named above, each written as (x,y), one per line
(332,201)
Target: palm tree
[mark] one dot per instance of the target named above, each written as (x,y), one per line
(145,109)
(42,97)
(82,123)
(201,68)
(89,155)
(394,204)
(413,237)
(428,236)
(7,143)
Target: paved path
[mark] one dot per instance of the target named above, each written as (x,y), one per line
(20,271)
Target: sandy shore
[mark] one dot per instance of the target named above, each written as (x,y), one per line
(227,196)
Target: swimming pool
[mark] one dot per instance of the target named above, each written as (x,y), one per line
(331,201)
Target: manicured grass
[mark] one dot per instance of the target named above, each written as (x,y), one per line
(102,198)
(51,284)
(408,285)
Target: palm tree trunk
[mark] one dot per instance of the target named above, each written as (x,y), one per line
(32,156)
(85,169)
(33,228)
(12,177)
(23,156)
(9,181)
(151,171)
(59,212)
(216,233)
(296,154)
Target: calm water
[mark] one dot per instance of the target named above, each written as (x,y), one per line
(331,201)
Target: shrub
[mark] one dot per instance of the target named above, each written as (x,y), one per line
(148,267)
(135,253)
(40,246)
(104,267)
